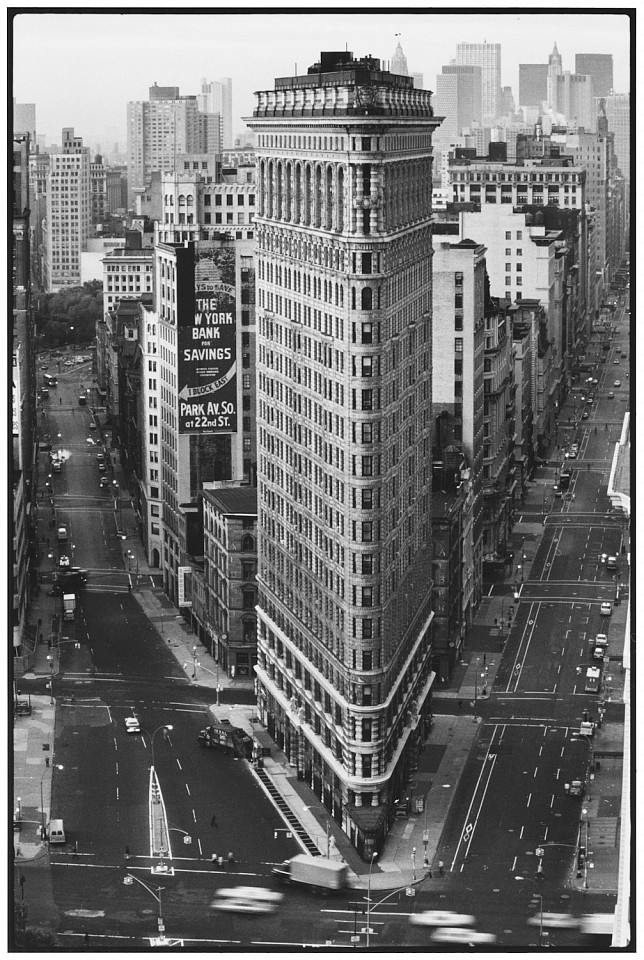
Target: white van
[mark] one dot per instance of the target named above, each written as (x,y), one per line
(56,831)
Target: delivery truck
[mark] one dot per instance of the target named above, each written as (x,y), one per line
(229,738)
(317,873)
(69,606)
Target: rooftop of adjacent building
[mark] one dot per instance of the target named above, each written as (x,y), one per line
(235,500)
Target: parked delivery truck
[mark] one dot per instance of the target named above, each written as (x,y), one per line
(315,872)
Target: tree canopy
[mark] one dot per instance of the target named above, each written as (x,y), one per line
(70,315)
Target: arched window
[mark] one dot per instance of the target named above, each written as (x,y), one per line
(248,543)
(366,298)
(182,200)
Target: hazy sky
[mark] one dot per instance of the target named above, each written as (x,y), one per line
(81,69)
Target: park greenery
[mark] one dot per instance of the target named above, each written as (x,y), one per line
(70,315)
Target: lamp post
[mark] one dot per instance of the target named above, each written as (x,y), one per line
(56,766)
(166,727)
(373,857)
(129,877)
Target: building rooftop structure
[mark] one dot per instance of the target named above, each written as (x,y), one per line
(237,500)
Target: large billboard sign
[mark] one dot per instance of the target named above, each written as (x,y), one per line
(207,347)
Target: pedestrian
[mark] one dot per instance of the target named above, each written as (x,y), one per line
(86,938)
(440,867)
(220,861)
(60,400)
(213,820)
(460,704)
(213,859)
(127,853)
(49,643)
(231,858)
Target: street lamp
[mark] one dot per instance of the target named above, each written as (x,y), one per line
(166,727)
(129,877)
(56,766)
(373,857)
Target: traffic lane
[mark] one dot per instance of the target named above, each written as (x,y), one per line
(124,641)
(95,793)
(518,796)
(199,783)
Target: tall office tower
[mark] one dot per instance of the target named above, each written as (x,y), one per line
(598,66)
(24,546)
(507,105)
(204,369)
(487,56)
(459,100)
(618,114)
(217,97)
(98,189)
(24,120)
(555,69)
(69,213)
(344,430)
(157,130)
(574,100)
(533,84)
(399,62)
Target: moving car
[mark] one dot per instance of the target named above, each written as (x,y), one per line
(616,361)
(246,900)
(605,609)
(62,532)
(584,415)
(441,918)
(63,560)
(104,482)
(132,725)
(611,395)
(461,935)
(617,383)
(68,363)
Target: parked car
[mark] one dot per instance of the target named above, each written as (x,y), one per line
(617,383)
(584,415)
(606,609)
(611,395)
(132,725)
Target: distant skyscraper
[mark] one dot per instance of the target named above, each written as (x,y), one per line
(24,120)
(574,99)
(218,98)
(157,130)
(618,114)
(399,62)
(487,56)
(533,84)
(459,98)
(555,69)
(69,213)
(599,66)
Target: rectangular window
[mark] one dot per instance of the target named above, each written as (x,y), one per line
(367,466)
(367,563)
(458,345)
(367,499)
(367,432)
(367,531)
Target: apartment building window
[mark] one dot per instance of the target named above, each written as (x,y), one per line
(367,531)
(367,399)
(458,368)
(508,281)
(367,499)
(458,345)
(367,466)
(229,200)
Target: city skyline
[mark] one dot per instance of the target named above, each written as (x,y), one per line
(64,45)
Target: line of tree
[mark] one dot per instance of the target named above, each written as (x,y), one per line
(70,315)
